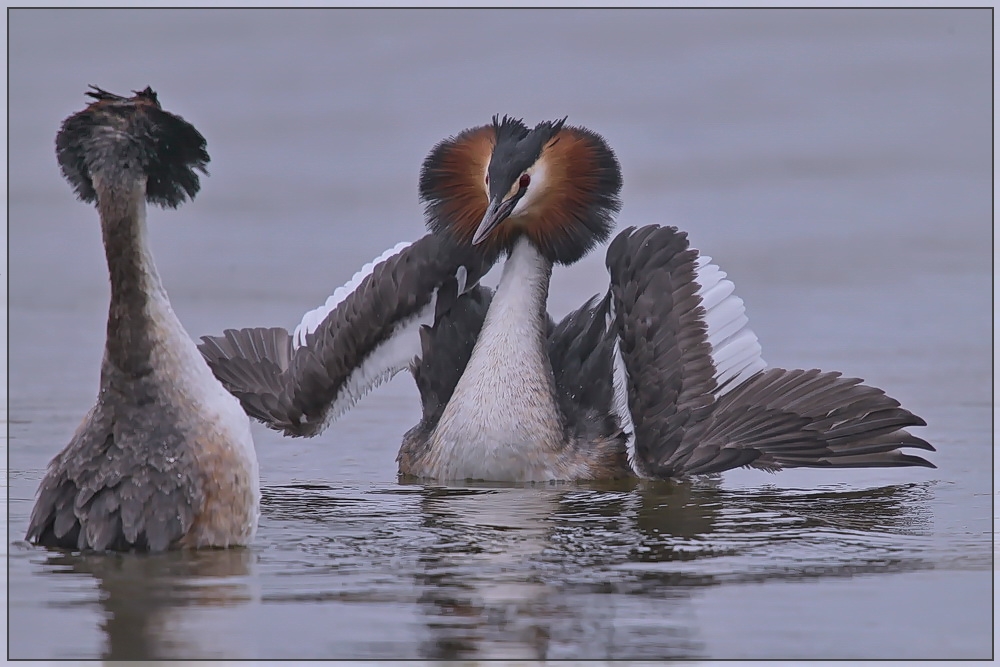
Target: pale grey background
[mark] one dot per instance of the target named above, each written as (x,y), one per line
(836,163)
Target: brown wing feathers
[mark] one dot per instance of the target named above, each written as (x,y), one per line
(685,423)
(662,341)
(296,390)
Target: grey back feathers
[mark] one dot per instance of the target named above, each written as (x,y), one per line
(110,490)
(445,349)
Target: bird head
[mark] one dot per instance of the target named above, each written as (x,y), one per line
(118,139)
(554,183)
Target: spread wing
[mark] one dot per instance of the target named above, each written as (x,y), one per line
(697,393)
(366,332)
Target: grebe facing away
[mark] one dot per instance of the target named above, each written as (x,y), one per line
(659,378)
(165,458)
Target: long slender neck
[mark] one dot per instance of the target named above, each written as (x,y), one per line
(518,309)
(135,285)
(502,421)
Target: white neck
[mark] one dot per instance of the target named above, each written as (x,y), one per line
(502,422)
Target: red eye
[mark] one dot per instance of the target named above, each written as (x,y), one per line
(524,181)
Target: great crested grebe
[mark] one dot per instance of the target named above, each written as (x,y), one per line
(165,458)
(659,378)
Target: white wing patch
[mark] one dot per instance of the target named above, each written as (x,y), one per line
(736,353)
(395,354)
(311,320)
(621,406)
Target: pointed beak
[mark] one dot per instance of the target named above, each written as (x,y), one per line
(496,213)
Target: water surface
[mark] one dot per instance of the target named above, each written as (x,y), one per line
(837,164)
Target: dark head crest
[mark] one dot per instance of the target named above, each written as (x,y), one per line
(117,140)
(516,148)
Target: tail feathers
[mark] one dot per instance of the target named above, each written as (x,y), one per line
(792,418)
(251,364)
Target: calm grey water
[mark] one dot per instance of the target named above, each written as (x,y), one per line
(836,163)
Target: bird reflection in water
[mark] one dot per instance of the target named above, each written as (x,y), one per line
(578,571)
(602,571)
(151,603)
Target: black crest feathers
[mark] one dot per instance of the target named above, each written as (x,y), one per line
(118,139)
